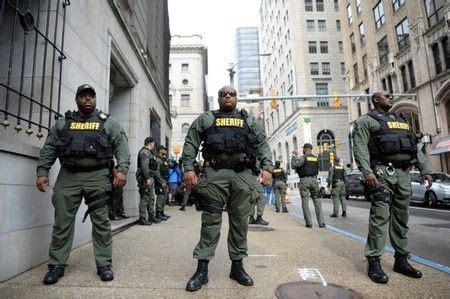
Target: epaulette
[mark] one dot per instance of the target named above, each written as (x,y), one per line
(69,114)
(244,113)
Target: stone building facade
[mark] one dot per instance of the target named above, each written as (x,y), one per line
(121,48)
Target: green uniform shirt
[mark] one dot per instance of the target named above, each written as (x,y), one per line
(331,173)
(363,128)
(204,121)
(143,169)
(112,127)
(297,161)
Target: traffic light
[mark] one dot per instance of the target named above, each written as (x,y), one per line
(318,149)
(274,104)
(325,147)
(331,156)
(336,102)
(336,142)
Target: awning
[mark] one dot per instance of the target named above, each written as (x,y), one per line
(442,146)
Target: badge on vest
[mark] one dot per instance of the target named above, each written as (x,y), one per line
(276,170)
(229,122)
(85,126)
(397,125)
(311,159)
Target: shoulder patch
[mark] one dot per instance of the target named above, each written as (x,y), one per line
(103,115)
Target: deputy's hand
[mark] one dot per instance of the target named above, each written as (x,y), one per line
(42,183)
(190,179)
(120,180)
(429,179)
(266,177)
(164,185)
(371,181)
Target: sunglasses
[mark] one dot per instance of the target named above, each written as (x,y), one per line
(223,94)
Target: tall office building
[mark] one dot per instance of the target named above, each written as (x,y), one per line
(305,42)
(187,89)
(247,60)
(401,46)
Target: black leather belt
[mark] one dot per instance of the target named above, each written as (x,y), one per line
(72,167)
(236,165)
(396,164)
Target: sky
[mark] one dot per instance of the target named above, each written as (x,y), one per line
(216,21)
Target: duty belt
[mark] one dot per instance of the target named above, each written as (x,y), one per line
(236,165)
(72,167)
(396,164)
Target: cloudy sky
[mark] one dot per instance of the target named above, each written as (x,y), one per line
(216,21)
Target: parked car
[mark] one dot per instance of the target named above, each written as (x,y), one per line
(439,193)
(354,184)
(324,189)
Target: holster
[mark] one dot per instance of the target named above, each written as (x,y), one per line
(206,204)
(380,194)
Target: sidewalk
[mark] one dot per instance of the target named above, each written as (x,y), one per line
(157,261)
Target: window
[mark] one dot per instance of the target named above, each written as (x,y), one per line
(358,6)
(412,77)
(378,14)
(362,33)
(352,42)
(397,3)
(338,25)
(312,47)
(322,25)
(308,5)
(349,14)
(185,67)
(325,68)
(355,73)
(322,89)
(336,5)
(185,100)
(389,80)
(314,68)
(343,68)
(340,47)
(404,77)
(310,25)
(319,5)
(383,49)
(435,11)
(323,47)
(402,30)
(184,129)
(436,58)
(364,61)
(446,54)
(383,83)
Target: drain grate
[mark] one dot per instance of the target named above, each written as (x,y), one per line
(314,290)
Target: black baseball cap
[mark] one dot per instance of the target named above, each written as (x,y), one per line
(308,145)
(160,147)
(85,87)
(149,140)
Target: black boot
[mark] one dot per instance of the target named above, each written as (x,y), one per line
(105,272)
(238,273)
(142,221)
(285,210)
(160,216)
(113,216)
(251,219)
(277,210)
(344,214)
(153,219)
(164,214)
(334,215)
(183,208)
(261,221)
(375,272)
(199,278)
(402,266)
(55,272)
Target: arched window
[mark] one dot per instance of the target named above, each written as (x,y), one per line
(325,139)
(184,129)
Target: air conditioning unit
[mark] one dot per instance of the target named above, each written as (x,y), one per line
(392,63)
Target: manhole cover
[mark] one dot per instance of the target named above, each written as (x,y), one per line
(258,228)
(314,290)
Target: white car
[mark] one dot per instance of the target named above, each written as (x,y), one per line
(439,193)
(324,189)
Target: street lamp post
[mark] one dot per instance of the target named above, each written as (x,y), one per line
(231,70)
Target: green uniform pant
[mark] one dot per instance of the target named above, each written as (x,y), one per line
(309,189)
(394,215)
(147,202)
(186,194)
(279,188)
(338,193)
(235,190)
(160,198)
(259,202)
(68,192)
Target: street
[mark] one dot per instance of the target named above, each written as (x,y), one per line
(428,228)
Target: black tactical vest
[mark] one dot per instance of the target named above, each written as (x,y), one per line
(394,137)
(278,174)
(84,137)
(164,168)
(152,163)
(230,133)
(310,167)
(338,173)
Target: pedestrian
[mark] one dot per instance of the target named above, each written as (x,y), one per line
(307,168)
(146,175)
(161,189)
(85,142)
(175,179)
(336,178)
(232,141)
(385,147)
(279,187)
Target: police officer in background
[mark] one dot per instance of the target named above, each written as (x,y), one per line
(85,142)
(146,174)
(385,148)
(232,142)
(307,168)
(259,204)
(336,176)
(161,189)
(279,187)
